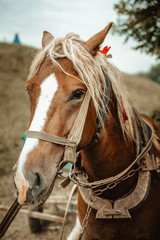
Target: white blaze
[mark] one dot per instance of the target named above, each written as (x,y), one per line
(48,88)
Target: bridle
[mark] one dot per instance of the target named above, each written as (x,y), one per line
(74,137)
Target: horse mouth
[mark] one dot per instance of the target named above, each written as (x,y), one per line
(44,194)
(41,197)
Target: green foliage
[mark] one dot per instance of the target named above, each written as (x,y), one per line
(140,20)
(153,74)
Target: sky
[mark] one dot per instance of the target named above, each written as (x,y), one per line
(29,18)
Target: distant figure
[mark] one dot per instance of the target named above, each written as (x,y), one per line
(16,39)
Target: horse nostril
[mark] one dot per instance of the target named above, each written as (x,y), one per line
(37,184)
(38,180)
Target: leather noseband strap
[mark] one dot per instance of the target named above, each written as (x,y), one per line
(50,138)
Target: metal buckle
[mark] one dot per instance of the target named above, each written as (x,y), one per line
(111,213)
(60,167)
(149,163)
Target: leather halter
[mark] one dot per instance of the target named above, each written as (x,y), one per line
(50,138)
(96,135)
(75,134)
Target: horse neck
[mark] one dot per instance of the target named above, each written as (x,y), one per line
(111,155)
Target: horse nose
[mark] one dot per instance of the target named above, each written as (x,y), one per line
(29,186)
(35,189)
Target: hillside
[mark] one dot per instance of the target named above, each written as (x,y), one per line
(144,92)
(15,61)
(14,65)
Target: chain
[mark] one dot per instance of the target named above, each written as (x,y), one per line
(89,209)
(100,191)
(118,181)
(110,185)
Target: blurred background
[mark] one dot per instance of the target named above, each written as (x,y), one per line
(135,49)
(30,18)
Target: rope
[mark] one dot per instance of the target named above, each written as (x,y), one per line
(66,211)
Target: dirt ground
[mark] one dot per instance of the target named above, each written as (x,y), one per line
(14,119)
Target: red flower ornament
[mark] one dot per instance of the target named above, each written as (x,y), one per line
(105,50)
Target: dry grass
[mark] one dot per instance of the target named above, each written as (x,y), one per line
(144,93)
(14,105)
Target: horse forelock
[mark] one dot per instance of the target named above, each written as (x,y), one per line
(91,70)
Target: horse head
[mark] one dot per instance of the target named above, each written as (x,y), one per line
(57,87)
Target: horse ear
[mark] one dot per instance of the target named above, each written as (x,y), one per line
(94,42)
(46,39)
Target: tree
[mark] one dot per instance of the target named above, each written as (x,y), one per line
(140,20)
(154,73)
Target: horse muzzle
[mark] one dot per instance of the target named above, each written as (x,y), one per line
(31,189)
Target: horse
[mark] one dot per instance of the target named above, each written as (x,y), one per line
(81,113)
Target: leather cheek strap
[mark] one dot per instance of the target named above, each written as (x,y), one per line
(74,136)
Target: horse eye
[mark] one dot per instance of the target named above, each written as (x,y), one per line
(77,94)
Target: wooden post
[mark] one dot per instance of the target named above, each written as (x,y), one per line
(33,214)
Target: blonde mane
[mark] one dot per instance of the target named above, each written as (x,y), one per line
(91,70)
